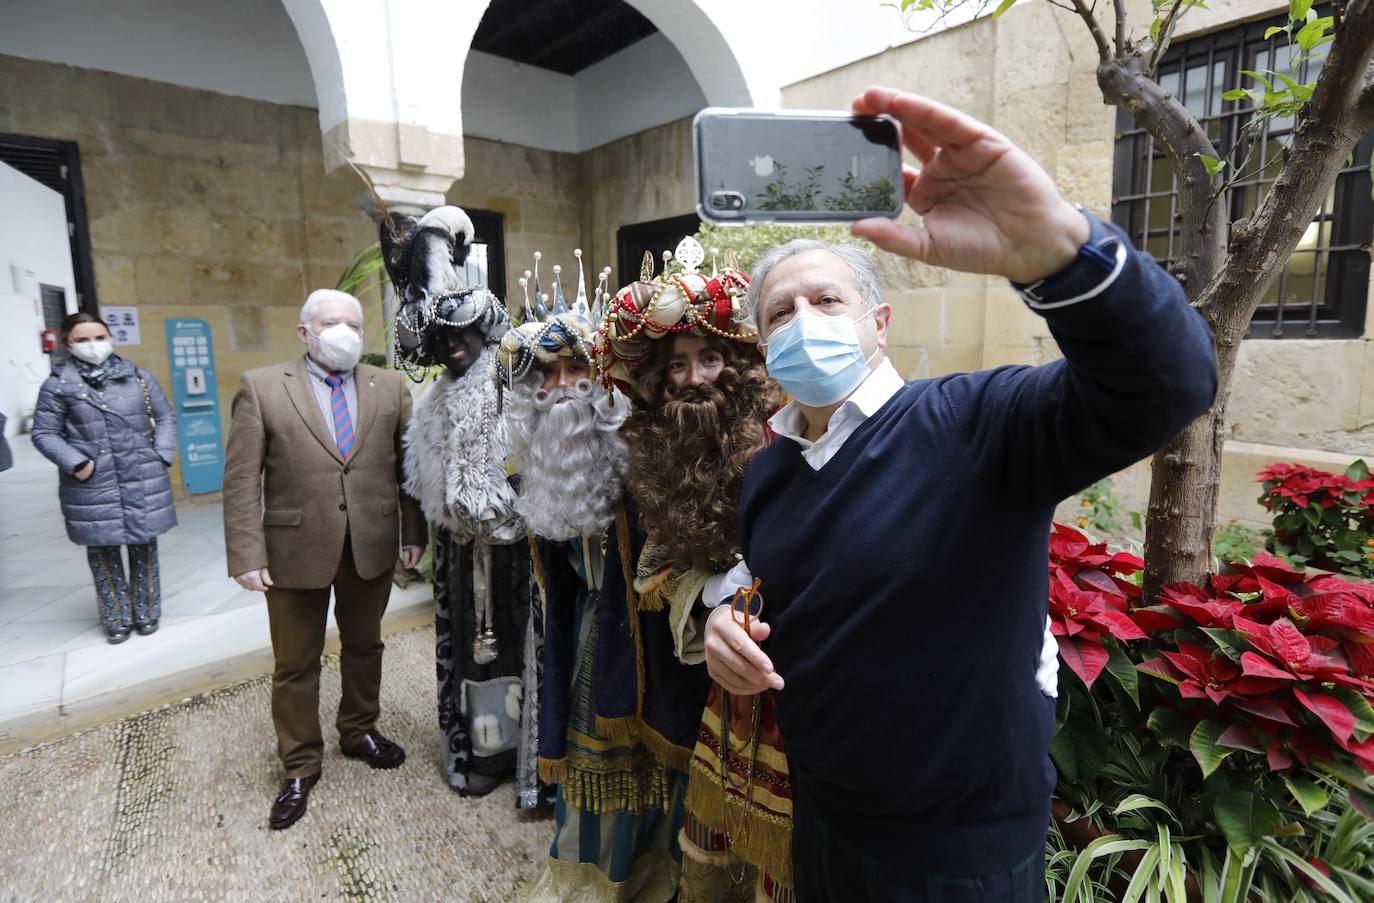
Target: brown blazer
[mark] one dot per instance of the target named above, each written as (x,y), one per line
(289,498)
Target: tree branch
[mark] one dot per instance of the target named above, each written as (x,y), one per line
(1176,131)
(1122,29)
(1166,33)
(1104,49)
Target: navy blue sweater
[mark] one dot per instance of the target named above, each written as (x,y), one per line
(907,579)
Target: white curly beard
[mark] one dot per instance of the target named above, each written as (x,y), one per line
(455,457)
(573,460)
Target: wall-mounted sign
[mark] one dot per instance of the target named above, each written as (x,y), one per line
(191,357)
(123,324)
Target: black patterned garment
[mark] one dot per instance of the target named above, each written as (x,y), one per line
(481,706)
(135,601)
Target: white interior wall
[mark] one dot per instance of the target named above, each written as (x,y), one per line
(33,250)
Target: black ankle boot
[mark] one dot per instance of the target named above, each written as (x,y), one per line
(117,636)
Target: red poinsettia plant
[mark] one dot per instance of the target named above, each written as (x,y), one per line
(1232,702)
(1320,518)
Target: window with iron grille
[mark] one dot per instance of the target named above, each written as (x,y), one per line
(1322,290)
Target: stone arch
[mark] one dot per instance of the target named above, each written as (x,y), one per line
(718,59)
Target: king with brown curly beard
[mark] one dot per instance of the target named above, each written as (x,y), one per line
(700,401)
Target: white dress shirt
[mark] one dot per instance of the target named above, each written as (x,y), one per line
(876,390)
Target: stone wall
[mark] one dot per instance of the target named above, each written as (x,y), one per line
(200,205)
(1031,75)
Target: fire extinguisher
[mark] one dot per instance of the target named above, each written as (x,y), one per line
(48,337)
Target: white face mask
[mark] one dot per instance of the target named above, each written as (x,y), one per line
(337,348)
(94,353)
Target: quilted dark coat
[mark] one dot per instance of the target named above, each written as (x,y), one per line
(128,499)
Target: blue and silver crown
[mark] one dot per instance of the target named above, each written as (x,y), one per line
(551,328)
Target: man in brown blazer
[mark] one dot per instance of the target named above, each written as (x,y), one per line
(312,502)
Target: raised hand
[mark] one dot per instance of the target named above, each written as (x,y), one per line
(985,205)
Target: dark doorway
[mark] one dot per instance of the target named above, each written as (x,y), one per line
(54,309)
(57,164)
(655,236)
(490,228)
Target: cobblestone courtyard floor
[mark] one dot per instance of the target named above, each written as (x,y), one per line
(172,805)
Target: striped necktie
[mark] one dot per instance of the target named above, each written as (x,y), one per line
(343,424)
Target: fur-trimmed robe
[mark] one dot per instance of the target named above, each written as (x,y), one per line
(455,461)
(455,464)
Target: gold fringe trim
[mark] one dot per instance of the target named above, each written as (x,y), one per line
(603,793)
(676,757)
(652,582)
(553,771)
(653,878)
(765,839)
(624,727)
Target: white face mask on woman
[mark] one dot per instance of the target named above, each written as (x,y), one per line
(337,348)
(94,353)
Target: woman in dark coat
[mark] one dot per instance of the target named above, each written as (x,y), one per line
(107,426)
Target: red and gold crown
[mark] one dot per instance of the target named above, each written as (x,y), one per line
(679,300)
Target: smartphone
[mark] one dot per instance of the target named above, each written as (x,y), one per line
(756,166)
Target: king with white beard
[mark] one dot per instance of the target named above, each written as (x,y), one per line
(618,807)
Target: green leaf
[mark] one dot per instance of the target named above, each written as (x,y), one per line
(1122,669)
(1273,30)
(1109,845)
(1358,470)
(1310,36)
(1169,726)
(1079,751)
(1308,794)
(1308,870)
(1203,743)
(1257,77)
(1297,11)
(1235,94)
(1003,7)
(1137,801)
(1229,642)
(1244,818)
(1312,515)
(1143,873)
(1359,707)
(1212,164)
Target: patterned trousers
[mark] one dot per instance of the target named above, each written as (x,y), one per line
(131,602)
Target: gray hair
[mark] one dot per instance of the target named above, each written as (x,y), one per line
(328,294)
(862,265)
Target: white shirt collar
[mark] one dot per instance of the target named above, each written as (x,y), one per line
(875,391)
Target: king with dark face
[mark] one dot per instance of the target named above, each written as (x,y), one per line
(455,466)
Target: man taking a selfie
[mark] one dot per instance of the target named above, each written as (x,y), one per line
(916,731)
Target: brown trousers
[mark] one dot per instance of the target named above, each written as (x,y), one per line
(298,618)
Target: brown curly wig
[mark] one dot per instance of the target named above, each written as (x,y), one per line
(690,447)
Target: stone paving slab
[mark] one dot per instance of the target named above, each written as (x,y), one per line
(172,804)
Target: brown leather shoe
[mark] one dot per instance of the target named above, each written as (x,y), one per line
(290,803)
(376,750)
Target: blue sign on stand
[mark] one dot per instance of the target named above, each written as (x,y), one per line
(191,354)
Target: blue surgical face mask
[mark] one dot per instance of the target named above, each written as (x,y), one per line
(817,358)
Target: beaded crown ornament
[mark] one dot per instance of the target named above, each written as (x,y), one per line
(551,328)
(681,299)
